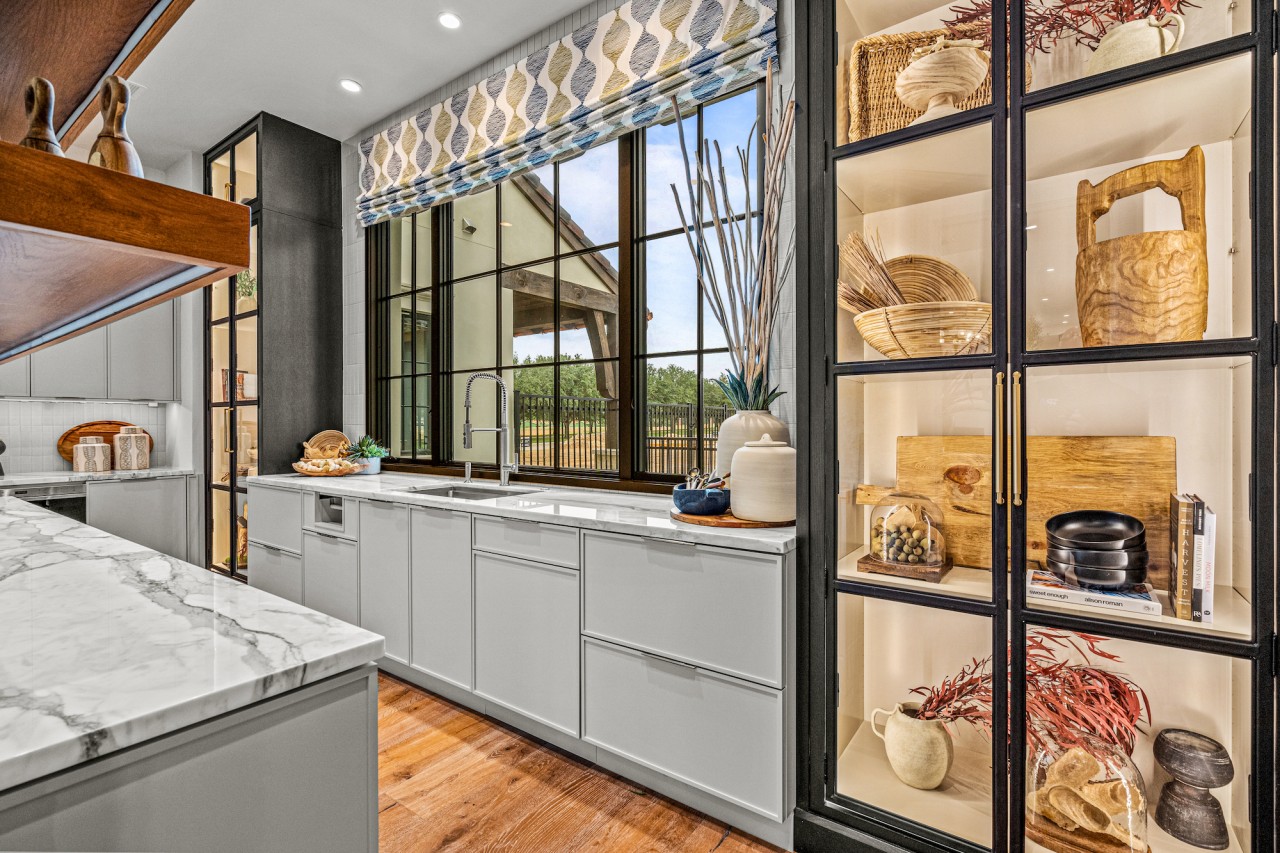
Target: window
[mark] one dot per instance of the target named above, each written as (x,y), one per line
(575,283)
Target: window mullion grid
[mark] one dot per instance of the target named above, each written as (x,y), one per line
(701,269)
(413,336)
(556,403)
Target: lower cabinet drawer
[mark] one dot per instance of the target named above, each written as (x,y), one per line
(277,517)
(715,733)
(546,543)
(275,571)
(330,582)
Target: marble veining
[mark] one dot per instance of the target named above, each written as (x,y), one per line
(105,644)
(629,513)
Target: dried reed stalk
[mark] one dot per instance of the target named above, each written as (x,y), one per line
(864,283)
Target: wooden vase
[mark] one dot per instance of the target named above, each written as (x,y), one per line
(39,101)
(1144,288)
(935,83)
(113,149)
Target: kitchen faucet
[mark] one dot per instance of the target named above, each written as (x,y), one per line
(505,469)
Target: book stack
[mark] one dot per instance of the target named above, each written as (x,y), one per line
(1193,538)
(1138,599)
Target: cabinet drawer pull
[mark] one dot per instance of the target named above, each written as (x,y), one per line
(661,659)
(273,549)
(335,537)
(658,540)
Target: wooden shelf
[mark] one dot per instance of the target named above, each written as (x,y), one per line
(81,246)
(961,581)
(1232,615)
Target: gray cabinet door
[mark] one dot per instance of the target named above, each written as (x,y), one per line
(275,571)
(15,378)
(74,368)
(151,512)
(277,517)
(329,576)
(441,544)
(384,574)
(140,355)
(527,638)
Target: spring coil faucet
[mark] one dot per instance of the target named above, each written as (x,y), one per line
(505,469)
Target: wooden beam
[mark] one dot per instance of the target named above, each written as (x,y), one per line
(543,286)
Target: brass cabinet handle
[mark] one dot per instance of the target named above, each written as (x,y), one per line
(1017,438)
(226,431)
(999,478)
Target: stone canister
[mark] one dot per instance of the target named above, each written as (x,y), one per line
(764,481)
(919,751)
(741,427)
(132,449)
(91,456)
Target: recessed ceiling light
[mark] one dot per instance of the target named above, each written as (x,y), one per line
(449,21)
(1050,269)
(505,224)
(350,85)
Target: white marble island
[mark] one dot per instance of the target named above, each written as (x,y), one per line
(147,704)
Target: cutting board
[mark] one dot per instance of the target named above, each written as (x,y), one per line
(1129,474)
(106,430)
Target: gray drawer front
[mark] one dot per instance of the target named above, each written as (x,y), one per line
(276,517)
(527,639)
(713,607)
(329,578)
(719,734)
(441,569)
(546,543)
(384,574)
(275,571)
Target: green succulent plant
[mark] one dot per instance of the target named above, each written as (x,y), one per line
(368,448)
(754,398)
(246,285)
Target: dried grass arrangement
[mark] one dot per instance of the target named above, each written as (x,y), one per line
(744,297)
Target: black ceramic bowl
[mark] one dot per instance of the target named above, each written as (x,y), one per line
(1097,578)
(701,501)
(1129,558)
(1193,758)
(1095,530)
(1192,815)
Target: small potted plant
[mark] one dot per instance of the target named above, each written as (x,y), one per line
(368,452)
(246,292)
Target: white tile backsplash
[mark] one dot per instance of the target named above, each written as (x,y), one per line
(31,429)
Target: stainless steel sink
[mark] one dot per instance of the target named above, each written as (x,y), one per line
(469,493)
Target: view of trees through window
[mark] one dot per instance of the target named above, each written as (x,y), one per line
(526,281)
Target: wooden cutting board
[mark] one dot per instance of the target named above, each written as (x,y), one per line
(106,430)
(1129,474)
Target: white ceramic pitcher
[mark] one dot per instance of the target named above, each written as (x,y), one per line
(1138,41)
(919,751)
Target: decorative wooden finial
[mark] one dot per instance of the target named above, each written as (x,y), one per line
(113,149)
(40,135)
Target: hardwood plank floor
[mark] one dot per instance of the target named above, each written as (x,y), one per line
(452,780)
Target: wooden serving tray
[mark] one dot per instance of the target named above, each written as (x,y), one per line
(726,520)
(932,574)
(304,472)
(106,430)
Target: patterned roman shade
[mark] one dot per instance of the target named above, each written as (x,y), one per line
(605,79)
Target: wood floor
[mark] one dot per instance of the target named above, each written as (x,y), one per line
(450,779)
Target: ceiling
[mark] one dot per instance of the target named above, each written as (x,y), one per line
(226,60)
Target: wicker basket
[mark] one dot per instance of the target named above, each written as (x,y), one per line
(874,65)
(925,329)
(922,278)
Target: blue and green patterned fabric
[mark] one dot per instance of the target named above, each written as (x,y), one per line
(607,78)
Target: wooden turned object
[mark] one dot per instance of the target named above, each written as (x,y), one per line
(113,149)
(1144,288)
(39,101)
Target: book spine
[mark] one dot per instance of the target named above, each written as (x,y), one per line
(1210,562)
(1180,519)
(1197,560)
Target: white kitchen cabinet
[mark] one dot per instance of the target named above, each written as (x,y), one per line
(73,368)
(527,639)
(15,377)
(722,735)
(275,571)
(535,540)
(151,512)
(441,583)
(277,517)
(330,580)
(140,355)
(384,574)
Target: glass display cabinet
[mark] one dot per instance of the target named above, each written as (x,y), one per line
(1040,347)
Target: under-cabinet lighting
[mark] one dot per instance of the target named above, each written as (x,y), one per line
(350,85)
(449,21)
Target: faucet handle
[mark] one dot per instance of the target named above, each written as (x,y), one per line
(467,472)
(515,466)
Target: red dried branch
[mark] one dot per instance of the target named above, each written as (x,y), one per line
(1049,22)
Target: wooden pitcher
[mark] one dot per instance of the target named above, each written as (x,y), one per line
(1144,288)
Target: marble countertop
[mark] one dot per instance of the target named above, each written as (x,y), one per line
(105,644)
(592,509)
(13,481)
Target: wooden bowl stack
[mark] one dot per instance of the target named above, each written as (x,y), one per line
(939,314)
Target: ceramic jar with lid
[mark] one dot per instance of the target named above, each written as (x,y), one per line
(91,456)
(132,449)
(764,481)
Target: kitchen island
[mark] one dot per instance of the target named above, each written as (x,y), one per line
(147,704)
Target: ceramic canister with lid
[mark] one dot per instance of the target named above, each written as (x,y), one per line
(132,449)
(91,456)
(764,481)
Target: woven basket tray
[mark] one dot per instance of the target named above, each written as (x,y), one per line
(874,65)
(306,473)
(923,278)
(925,329)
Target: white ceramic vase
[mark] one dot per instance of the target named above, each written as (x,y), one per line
(91,456)
(941,78)
(1138,41)
(132,449)
(741,427)
(919,751)
(764,481)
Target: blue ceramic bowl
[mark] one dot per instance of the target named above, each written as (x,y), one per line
(701,501)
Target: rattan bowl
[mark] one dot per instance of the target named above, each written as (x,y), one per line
(922,278)
(927,329)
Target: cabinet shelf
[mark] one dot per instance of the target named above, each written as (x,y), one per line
(960,582)
(1232,615)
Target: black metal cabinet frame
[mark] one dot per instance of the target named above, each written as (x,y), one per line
(827,821)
